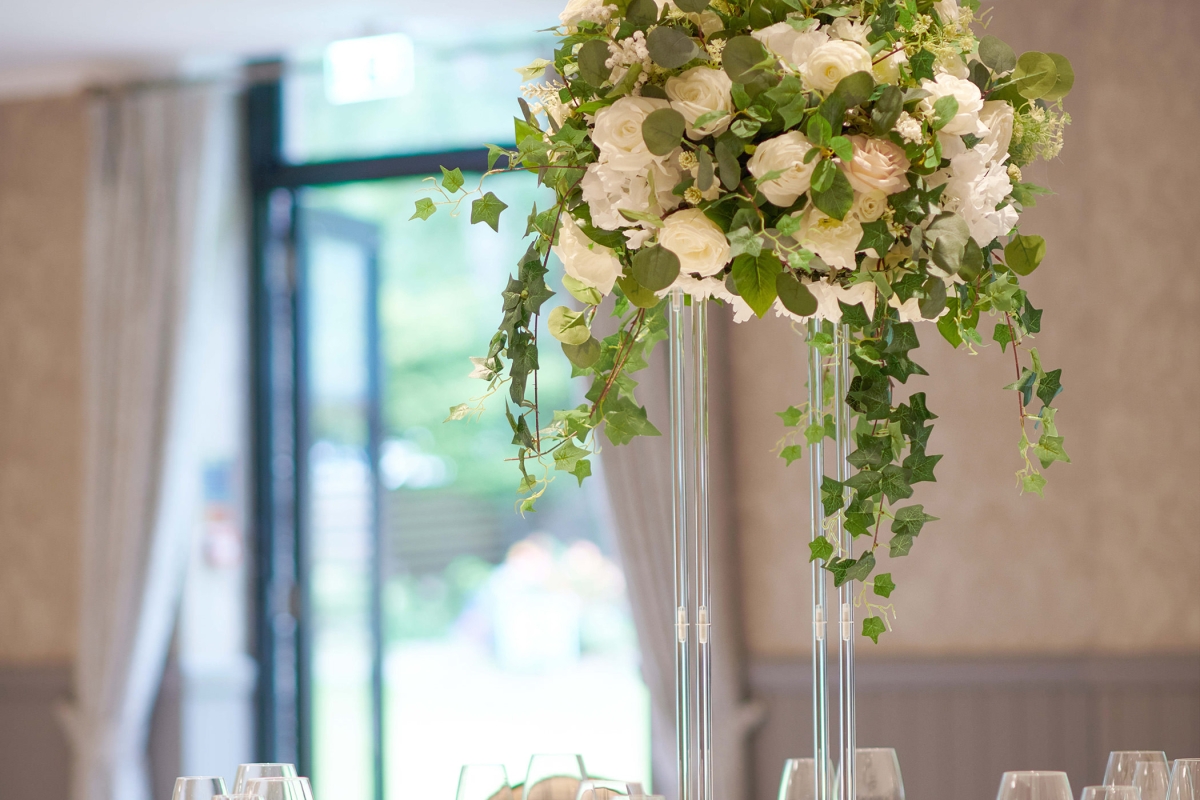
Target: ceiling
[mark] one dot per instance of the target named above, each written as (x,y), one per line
(59,45)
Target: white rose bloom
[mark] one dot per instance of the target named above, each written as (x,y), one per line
(618,133)
(704,288)
(877,164)
(697,92)
(975,184)
(953,64)
(607,191)
(888,70)
(835,242)
(578,11)
(948,11)
(970,103)
(833,61)
(869,206)
(848,30)
(698,242)
(785,152)
(791,45)
(587,262)
(997,117)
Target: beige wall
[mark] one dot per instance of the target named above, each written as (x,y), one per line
(43,166)
(1109,562)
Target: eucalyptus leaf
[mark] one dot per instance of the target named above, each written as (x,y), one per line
(996,55)
(670,47)
(742,58)
(692,6)
(836,200)
(568,326)
(663,130)
(655,267)
(887,110)
(1066,78)
(639,295)
(794,295)
(583,355)
(642,13)
(1036,74)
(1024,253)
(934,301)
(945,109)
(593,68)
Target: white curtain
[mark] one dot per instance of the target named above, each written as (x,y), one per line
(638,478)
(152,212)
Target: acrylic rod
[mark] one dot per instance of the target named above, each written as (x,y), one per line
(704,766)
(679,475)
(816,468)
(845,544)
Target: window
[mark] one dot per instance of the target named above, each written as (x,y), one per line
(410,620)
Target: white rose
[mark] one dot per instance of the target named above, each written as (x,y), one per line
(952,63)
(877,164)
(578,11)
(618,133)
(700,245)
(970,103)
(997,117)
(835,242)
(786,153)
(947,11)
(587,262)
(869,206)
(833,61)
(848,30)
(888,70)
(789,44)
(699,91)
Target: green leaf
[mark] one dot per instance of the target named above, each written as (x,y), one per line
(742,58)
(637,294)
(1032,483)
(583,469)
(584,294)
(795,296)
(425,209)
(948,234)
(866,483)
(744,240)
(832,495)
(873,627)
(452,179)
(910,519)
(704,170)
(670,47)
(877,237)
(487,209)
(642,13)
(1025,385)
(921,466)
(655,267)
(895,484)
(996,55)
(791,453)
(837,199)
(887,110)
(814,433)
(1066,78)
(593,56)
(568,455)
(820,132)
(755,279)
(947,325)
(945,109)
(921,65)
(1024,253)
(569,327)
(900,545)
(692,6)
(1036,75)
(855,316)
(842,148)
(728,150)
(1049,385)
(1050,449)
(934,301)
(583,355)
(624,419)
(820,548)
(663,130)
(792,417)
(884,585)
(861,569)
(855,89)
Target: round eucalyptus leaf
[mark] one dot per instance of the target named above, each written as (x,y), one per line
(642,12)
(1036,74)
(662,130)
(670,47)
(972,261)
(592,66)
(655,267)
(740,57)
(639,295)
(1024,253)
(692,6)
(1066,78)
(794,295)
(583,355)
(934,301)
(569,327)
(855,89)
(996,55)
(651,90)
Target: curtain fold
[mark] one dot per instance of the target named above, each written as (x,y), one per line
(638,479)
(151,163)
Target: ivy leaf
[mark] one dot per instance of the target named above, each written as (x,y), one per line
(1049,385)
(583,469)
(861,569)
(425,209)
(819,548)
(487,209)
(452,179)
(814,433)
(860,516)
(1050,449)
(791,453)
(791,418)
(837,567)
(1002,335)
(922,65)
(744,240)
(903,338)
(910,519)
(1033,482)
(876,236)
(755,279)
(624,419)
(1031,318)
(921,466)
(869,453)
(855,316)
(873,628)
(884,585)
(895,483)
(866,483)
(568,455)
(832,495)
(900,545)
(1025,384)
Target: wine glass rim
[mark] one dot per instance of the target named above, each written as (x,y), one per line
(1162,753)
(278,778)
(200,778)
(1035,772)
(267,764)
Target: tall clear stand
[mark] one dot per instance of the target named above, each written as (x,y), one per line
(837,368)
(688,382)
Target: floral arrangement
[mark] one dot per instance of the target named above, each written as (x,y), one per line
(857,163)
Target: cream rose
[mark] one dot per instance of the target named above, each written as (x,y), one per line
(697,92)
(578,11)
(997,117)
(869,206)
(877,164)
(970,103)
(833,61)
(587,262)
(888,70)
(618,133)
(789,44)
(784,153)
(701,246)
(835,242)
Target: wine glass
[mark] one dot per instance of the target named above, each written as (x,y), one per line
(1111,793)
(280,788)
(1185,780)
(877,775)
(599,789)
(799,779)
(1152,778)
(204,787)
(554,776)
(483,782)
(1035,786)
(1121,765)
(247,772)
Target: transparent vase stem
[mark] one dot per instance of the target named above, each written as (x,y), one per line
(704,765)
(845,545)
(679,475)
(820,617)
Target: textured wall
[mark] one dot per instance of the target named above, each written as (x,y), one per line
(1107,563)
(43,168)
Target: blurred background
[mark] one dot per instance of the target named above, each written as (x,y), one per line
(234,527)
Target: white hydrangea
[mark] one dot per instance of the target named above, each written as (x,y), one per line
(977,181)
(607,191)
